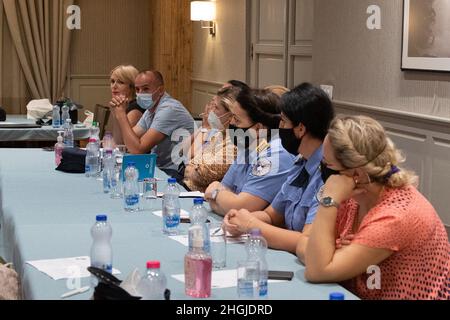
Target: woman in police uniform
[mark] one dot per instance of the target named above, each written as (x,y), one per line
(262,164)
(306,115)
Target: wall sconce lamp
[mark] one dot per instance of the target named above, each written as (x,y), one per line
(205,12)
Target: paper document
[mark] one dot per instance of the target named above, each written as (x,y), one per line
(222,279)
(184,240)
(183,214)
(69,268)
(192,195)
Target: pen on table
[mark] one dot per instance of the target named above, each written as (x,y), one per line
(75,292)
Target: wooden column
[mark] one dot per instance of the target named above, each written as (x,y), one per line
(171,46)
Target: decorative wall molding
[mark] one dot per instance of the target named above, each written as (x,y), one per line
(207,82)
(89,76)
(202,92)
(396,114)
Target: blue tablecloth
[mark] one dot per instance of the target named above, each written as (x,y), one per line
(47,214)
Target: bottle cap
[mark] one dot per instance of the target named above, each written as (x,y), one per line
(255,232)
(153,265)
(337,296)
(131,164)
(92,140)
(172,180)
(198,201)
(102,218)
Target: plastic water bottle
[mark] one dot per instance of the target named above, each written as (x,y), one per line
(92,159)
(68,134)
(256,247)
(131,188)
(59,147)
(199,217)
(153,284)
(108,171)
(94,133)
(65,114)
(108,141)
(56,117)
(197,268)
(101,249)
(171,208)
(337,296)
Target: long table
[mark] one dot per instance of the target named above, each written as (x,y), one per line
(44,133)
(45,214)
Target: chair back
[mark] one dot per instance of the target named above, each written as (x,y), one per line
(101,116)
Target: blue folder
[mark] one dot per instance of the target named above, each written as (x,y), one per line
(145,163)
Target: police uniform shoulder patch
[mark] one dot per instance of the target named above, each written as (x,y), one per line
(262,167)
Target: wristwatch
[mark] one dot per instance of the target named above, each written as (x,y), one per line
(326,202)
(215,193)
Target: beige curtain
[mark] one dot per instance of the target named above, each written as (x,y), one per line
(14,94)
(42,41)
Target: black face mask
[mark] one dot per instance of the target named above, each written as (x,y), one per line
(289,141)
(235,140)
(327,172)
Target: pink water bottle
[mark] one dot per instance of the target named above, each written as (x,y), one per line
(197,268)
(59,147)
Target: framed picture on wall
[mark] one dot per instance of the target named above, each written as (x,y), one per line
(426,35)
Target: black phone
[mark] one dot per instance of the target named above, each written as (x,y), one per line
(281,275)
(187,220)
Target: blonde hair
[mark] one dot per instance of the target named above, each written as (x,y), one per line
(361,142)
(227,97)
(278,90)
(127,74)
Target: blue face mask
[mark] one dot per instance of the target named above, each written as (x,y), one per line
(145,100)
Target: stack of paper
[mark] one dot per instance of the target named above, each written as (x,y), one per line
(68,268)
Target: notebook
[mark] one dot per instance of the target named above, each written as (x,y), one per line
(145,163)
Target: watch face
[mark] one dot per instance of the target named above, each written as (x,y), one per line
(327,201)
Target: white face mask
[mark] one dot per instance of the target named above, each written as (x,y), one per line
(145,100)
(215,122)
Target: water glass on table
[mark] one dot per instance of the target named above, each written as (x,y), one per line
(149,193)
(218,242)
(248,279)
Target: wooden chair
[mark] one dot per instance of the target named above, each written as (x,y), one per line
(101,116)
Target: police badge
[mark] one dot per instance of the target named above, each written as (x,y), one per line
(262,167)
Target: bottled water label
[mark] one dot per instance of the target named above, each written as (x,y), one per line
(132,200)
(87,169)
(172,221)
(247,288)
(263,289)
(106,267)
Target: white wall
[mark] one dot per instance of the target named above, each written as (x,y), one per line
(220,58)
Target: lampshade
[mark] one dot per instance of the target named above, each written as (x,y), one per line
(203,11)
